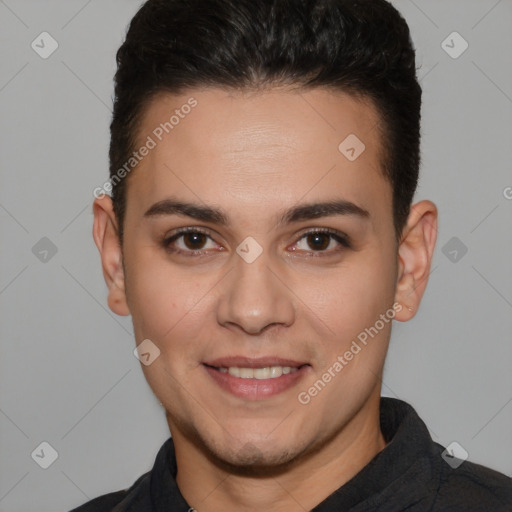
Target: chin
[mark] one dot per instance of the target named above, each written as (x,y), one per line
(248,455)
(250,460)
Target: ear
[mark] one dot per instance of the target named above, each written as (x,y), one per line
(106,238)
(415,257)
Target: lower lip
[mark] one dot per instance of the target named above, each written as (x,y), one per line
(256,389)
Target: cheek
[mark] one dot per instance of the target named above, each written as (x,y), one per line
(168,309)
(354,296)
(354,352)
(161,298)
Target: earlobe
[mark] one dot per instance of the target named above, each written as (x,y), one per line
(415,254)
(106,238)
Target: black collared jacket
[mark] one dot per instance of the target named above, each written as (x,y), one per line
(410,474)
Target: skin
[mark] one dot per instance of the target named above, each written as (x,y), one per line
(254,156)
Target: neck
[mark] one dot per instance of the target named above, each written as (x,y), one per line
(305,484)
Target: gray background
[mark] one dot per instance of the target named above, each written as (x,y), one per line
(68,374)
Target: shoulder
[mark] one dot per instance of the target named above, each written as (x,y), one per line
(473,487)
(133,499)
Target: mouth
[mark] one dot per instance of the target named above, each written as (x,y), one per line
(256,379)
(261,373)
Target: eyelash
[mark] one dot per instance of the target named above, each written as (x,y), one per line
(339,237)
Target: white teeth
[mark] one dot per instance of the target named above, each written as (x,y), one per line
(245,373)
(233,370)
(276,371)
(269,372)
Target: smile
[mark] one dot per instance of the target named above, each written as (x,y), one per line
(268,372)
(256,379)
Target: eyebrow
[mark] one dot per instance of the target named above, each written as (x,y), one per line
(217,216)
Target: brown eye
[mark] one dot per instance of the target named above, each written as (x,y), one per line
(323,242)
(194,240)
(318,241)
(190,241)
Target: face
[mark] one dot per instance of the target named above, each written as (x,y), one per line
(254,240)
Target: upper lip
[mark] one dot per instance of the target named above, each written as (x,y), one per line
(248,362)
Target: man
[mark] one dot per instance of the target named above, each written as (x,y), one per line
(264,156)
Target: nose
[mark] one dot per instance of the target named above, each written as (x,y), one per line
(255,296)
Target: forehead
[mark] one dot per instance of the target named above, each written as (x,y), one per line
(265,149)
